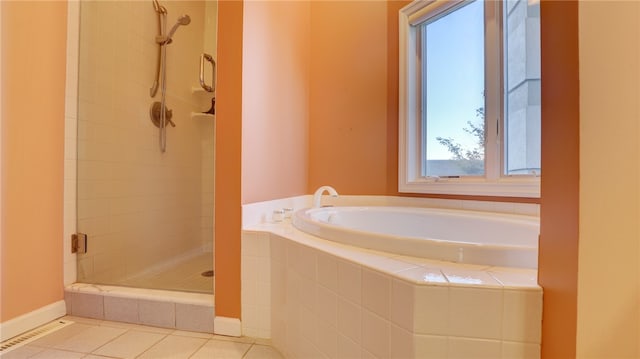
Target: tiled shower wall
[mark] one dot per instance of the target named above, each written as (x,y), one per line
(139,207)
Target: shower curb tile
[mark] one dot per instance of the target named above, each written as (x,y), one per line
(159,314)
(197,318)
(87,305)
(121,309)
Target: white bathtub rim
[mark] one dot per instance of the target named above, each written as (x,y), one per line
(437,249)
(524,278)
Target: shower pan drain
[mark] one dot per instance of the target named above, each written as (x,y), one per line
(20,340)
(208,273)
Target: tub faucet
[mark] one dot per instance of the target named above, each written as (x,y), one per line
(317,196)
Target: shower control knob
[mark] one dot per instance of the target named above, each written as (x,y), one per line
(156,114)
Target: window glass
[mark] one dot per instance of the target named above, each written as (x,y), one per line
(453,92)
(470,111)
(521,38)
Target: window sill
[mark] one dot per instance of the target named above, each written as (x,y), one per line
(509,187)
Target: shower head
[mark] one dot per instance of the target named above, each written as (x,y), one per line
(182,20)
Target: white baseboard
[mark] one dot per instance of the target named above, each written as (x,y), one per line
(227,326)
(32,320)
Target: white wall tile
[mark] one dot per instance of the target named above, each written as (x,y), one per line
(328,271)
(278,249)
(327,305)
(307,262)
(249,245)
(307,293)
(431,309)
(521,316)
(308,350)
(475,312)
(400,343)
(347,348)
(263,267)
(376,289)
(465,348)
(327,338)
(278,285)
(250,320)
(375,334)
(293,256)
(402,304)
(513,350)
(349,319)
(365,354)
(428,346)
(349,281)
(308,325)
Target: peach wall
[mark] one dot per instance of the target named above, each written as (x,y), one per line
(228,159)
(609,254)
(558,248)
(348,123)
(275,106)
(33,84)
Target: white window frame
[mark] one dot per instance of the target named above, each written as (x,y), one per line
(410,179)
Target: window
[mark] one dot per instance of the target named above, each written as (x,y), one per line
(470,98)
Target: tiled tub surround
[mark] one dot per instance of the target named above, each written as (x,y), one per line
(317,298)
(159,308)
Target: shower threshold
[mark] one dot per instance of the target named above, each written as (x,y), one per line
(160,308)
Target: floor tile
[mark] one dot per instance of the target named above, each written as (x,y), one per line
(263,352)
(129,345)
(174,347)
(222,349)
(247,340)
(90,339)
(61,335)
(57,354)
(25,351)
(184,333)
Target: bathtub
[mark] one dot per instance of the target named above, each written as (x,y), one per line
(461,236)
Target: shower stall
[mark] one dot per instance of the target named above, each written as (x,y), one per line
(145,144)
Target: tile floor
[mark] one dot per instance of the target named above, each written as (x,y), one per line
(95,339)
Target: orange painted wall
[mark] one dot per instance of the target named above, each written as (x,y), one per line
(609,305)
(228,159)
(275,106)
(33,85)
(558,250)
(349,147)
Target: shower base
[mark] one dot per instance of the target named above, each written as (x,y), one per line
(182,273)
(184,276)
